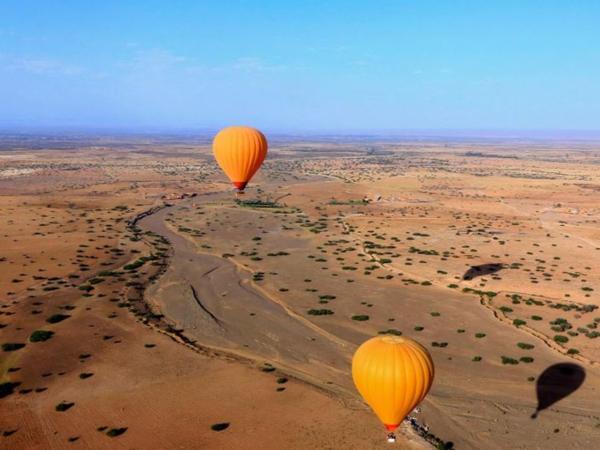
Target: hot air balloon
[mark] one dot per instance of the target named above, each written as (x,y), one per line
(393,374)
(240,151)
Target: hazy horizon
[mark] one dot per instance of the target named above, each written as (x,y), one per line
(400,134)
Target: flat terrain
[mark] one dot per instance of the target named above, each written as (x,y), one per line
(143,305)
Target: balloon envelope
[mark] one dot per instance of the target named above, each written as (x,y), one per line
(240,151)
(393,374)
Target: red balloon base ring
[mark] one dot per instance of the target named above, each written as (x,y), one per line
(391,427)
(240,185)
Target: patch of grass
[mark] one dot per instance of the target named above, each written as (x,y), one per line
(508,360)
(526,359)
(518,322)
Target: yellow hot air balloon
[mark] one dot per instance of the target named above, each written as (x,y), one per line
(393,374)
(240,151)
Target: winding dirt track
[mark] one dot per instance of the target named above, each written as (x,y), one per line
(225,311)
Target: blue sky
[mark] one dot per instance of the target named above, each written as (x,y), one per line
(301,65)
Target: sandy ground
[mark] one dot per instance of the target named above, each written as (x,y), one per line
(486,254)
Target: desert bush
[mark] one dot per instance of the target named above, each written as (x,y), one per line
(40,335)
(12,346)
(219,426)
(561,339)
(360,317)
(525,346)
(391,331)
(63,406)
(508,360)
(55,318)
(320,312)
(114,432)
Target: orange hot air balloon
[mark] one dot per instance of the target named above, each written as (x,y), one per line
(240,151)
(393,374)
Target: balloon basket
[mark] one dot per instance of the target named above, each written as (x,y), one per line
(391,438)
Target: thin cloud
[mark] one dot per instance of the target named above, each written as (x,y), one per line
(42,66)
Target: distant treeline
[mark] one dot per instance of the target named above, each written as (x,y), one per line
(489,155)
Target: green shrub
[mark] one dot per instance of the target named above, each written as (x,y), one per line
(360,317)
(508,360)
(219,426)
(40,335)
(114,432)
(55,318)
(12,346)
(391,331)
(525,346)
(320,312)
(7,388)
(561,339)
(63,406)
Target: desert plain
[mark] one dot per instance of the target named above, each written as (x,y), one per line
(144,305)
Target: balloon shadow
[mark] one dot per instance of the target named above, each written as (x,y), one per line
(557,382)
(481,270)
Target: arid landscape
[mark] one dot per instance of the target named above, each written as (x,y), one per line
(144,305)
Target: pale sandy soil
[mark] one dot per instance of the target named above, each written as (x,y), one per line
(241,281)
